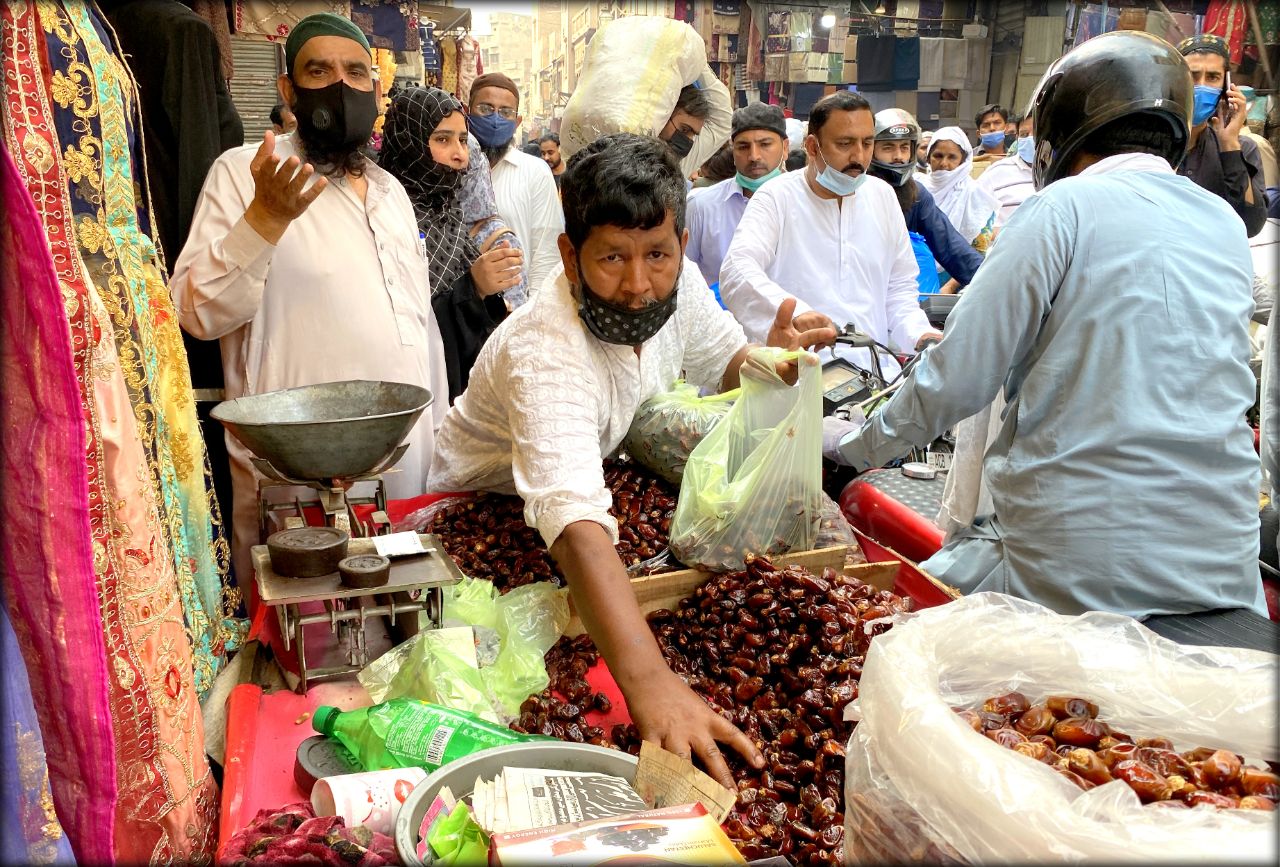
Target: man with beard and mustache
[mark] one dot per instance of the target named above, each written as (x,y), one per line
(304,260)
(549,150)
(528,198)
(758,144)
(830,237)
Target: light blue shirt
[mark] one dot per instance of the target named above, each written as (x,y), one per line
(1113,310)
(711,217)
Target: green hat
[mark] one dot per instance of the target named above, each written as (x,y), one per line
(320,24)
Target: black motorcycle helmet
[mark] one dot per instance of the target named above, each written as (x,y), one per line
(896,124)
(1109,77)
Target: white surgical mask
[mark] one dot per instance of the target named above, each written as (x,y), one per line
(838,182)
(1027,149)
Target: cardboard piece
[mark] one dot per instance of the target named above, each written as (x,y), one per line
(663,779)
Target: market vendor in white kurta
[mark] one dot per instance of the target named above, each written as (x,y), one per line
(841,250)
(558,384)
(343,294)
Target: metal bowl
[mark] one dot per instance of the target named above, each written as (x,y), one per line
(334,430)
(460,777)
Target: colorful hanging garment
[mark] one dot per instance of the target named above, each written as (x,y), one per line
(1228,19)
(46,553)
(159,557)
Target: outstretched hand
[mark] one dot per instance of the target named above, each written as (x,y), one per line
(807,331)
(279,194)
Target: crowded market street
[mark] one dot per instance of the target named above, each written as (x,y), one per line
(647,431)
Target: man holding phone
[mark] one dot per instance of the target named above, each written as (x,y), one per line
(1220,159)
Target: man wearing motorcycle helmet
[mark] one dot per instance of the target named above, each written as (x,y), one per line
(1114,315)
(893,161)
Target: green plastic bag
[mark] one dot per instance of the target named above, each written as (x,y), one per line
(526,622)
(458,840)
(754,484)
(669,426)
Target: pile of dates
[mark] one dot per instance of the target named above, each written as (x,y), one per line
(779,652)
(560,710)
(488,538)
(1065,733)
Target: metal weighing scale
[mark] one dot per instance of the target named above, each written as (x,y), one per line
(327,437)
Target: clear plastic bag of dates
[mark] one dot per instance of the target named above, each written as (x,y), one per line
(668,426)
(753,486)
(923,784)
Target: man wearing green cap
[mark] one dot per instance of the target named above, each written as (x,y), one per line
(304,260)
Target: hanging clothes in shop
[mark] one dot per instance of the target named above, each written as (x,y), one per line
(387,24)
(876,62)
(449,66)
(906,63)
(778,39)
(750,36)
(1228,19)
(217,14)
(430,49)
(469,67)
(274,20)
(48,566)
(159,559)
(931,53)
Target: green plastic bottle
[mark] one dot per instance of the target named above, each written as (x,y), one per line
(405,733)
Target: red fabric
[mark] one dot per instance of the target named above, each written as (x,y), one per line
(295,835)
(46,550)
(1230,20)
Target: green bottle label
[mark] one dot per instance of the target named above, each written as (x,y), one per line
(430,736)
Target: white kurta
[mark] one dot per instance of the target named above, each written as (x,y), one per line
(344,295)
(547,401)
(529,202)
(849,259)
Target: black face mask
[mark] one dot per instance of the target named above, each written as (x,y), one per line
(336,117)
(680,143)
(614,324)
(892,173)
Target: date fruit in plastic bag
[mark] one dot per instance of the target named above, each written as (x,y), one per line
(922,784)
(754,484)
(668,427)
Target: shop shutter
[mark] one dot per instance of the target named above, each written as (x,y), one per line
(253,89)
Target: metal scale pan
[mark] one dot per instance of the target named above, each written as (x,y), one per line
(325,437)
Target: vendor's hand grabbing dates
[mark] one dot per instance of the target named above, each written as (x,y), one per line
(1065,733)
(555,388)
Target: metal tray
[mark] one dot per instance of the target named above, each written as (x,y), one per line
(460,777)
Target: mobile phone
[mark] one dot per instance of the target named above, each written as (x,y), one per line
(1224,104)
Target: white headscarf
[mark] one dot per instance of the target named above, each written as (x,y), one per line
(967,206)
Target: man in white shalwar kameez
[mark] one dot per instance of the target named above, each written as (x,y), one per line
(314,279)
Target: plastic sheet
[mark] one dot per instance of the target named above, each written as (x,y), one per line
(668,427)
(921,785)
(754,484)
(526,621)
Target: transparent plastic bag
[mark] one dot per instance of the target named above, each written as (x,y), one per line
(668,426)
(834,529)
(920,785)
(420,519)
(754,484)
(527,621)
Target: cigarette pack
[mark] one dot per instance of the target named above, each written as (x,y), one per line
(674,835)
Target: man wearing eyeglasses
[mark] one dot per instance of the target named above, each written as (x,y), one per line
(523,184)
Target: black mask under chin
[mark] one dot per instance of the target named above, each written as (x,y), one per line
(334,121)
(621,325)
(892,173)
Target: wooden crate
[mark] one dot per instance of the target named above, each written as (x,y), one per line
(654,592)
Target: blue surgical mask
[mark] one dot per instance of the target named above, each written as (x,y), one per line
(838,182)
(753,184)
(491,130)
(992,140)
(1027,149)
(1206,101)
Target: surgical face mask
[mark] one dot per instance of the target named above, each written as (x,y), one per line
(753,184)
(838,182)
(1206,101)
(621,325)
(992,140)
(491,130)
(336,116)
(1027,149)
(680,143)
